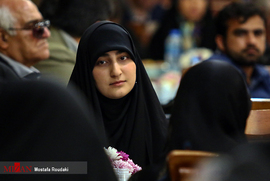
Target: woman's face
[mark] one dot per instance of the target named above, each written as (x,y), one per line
(115,74)
(192,10)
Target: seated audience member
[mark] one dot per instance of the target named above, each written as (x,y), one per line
(210,112)
(248,162)
(265,6)
(193,18)
(241,39)
(23,40)
(69,19)
(43,122)
(211,108)
(110,73)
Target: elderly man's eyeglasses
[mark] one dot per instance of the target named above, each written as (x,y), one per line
(37,26)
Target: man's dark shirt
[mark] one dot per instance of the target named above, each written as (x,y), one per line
(260,80)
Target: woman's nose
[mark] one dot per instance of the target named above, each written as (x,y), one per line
(116,70)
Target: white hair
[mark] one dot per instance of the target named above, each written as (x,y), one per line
(7,20)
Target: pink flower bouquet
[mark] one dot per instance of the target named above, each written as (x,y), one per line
(121,160)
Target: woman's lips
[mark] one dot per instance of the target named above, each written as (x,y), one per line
(118,83)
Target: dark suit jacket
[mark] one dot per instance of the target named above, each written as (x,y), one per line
(6,72)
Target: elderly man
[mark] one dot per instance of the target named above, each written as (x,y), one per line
(23,39)
(241,39)
(69,19)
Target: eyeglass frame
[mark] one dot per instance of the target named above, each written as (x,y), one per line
(37,27)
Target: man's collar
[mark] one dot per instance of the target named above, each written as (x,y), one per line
(19,68)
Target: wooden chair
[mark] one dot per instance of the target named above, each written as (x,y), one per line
(258,103)
(182,163)
(258,125)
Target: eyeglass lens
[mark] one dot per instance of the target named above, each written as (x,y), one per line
(38,30)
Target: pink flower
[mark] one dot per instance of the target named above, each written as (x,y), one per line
(119,159)
(123,155)
(123,164)
(136,167)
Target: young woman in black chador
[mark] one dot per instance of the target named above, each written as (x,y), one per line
(110,73)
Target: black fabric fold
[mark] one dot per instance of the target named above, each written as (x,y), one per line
(211,108)
(41,121)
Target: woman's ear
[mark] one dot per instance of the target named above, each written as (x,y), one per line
(220,42)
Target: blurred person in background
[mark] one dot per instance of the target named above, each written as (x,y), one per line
(142,18)
(241,40)
(23,39)
(265,6)
(210,109)
(69,19)
(194,20)
(118,7)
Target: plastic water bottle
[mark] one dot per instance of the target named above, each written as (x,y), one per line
(173,49)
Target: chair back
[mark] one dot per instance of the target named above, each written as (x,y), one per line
(258,125)
(182,163)
(258,103)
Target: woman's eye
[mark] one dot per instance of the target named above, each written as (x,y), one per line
(124,58)
(101,62)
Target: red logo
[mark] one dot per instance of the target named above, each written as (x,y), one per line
(17,168)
